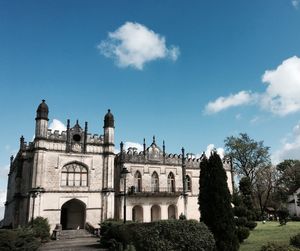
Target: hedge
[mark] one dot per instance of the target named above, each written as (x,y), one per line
(161,235)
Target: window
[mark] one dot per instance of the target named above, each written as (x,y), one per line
(188,183)
(138,181)
(171,182)
(74,175)
(154,182)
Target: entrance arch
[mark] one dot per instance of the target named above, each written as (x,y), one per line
(137,214)
(73,214)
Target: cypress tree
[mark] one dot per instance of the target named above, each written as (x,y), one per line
(215,203)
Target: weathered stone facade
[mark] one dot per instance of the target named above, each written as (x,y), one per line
(74,178)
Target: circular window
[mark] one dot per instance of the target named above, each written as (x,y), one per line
(76,137)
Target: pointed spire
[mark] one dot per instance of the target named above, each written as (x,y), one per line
(21,142)
(144,145)
(164,148)
(153,141)
(121,147)
(121,150)
(11,159)
(68,124)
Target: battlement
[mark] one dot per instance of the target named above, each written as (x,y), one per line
(154,155)
(94,139)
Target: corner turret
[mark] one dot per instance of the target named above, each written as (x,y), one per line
(41,124)
(109,120)
(109,129)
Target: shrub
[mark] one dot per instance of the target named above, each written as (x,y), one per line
(251,225)
(240,221)
(295,240)
(242,233)
(295,218)
(41,228)
(18,239)
(160,235)
(276,247)
(283,215)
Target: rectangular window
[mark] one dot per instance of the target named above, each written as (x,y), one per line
(71,179)
(77,179)
(84,179)
(64,179)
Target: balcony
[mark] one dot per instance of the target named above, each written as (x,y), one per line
(154,192)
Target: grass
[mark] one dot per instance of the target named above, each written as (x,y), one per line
(269,232)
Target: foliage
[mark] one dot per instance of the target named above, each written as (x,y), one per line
(289,179)
(245,192)
(182,217)
(295,218)
(41,228)
(283,215)
(251,225)
(160,235)
(295,241)
(276,247)
(265,182)
(215,203)
(18,239)
(247,154)
(243,233)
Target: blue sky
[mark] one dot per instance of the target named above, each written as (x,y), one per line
(189,72)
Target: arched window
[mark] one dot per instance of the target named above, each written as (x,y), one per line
(74,175)
(138,181)
(154,182)
(188,183)
(171,183)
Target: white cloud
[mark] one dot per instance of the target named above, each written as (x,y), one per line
(281,97)
(2,201)
(212,147)
(295,3)
(222,103)
(290,148)
(138,146)
(133,45)
(57,125)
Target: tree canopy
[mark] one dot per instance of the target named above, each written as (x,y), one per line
(247,155)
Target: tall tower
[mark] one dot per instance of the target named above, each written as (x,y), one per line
(108,192)
(41,124)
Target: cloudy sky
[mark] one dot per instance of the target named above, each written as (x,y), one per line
(190,73)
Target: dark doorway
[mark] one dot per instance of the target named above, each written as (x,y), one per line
(72,214)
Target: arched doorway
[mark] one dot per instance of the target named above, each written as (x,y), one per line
(72,214)
(137,214)
(172,212)
(155,213)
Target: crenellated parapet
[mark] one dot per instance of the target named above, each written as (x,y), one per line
(154,155)
(93,139)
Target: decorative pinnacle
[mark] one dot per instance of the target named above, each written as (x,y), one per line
(121,146)
(153,140)
(108,110)
(43,100)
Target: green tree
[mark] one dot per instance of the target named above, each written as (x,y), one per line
(215,203)
(248,155)
(289,176)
